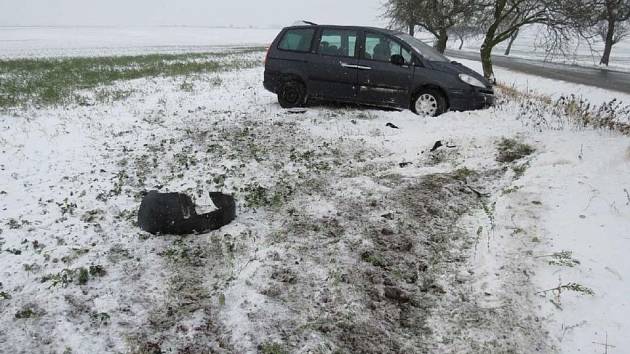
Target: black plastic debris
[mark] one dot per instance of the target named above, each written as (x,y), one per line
(174,213)
(391,125)
(437,145)
(389,216)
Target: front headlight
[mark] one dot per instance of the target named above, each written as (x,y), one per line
(471,80)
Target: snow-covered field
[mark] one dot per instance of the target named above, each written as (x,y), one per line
(511,238)
(25,42)
(28,42)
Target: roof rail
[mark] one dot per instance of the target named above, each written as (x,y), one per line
(302,23)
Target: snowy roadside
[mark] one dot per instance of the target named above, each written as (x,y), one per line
(340,245)
(574,201)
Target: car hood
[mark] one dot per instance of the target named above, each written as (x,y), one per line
(457,68)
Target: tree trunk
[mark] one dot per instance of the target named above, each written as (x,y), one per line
(486,50)
(486,61)
(440,45)
(461,43)
(512,39)
(412,29)
(610,36)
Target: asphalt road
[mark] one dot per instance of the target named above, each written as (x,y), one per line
(606,79)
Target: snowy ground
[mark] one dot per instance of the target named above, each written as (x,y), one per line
(339,245)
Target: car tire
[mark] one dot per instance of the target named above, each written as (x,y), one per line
(428,102)
(292,94)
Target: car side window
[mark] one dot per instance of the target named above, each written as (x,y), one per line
(381,48)
(297,40)
(341,43)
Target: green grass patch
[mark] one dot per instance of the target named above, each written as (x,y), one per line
(271,348)
(80,276)
(24,313)
(29,311)
(563,259)
(374,259)
(463,173)
(53,81)
(510,150)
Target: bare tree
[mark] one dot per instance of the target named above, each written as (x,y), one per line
(402,14)
(463,32)
(506,17)
(435,16)
(613,25)
(511,42)
(557,40)
(606,19)
(620,32)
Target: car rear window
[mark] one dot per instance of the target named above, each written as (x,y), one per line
(298,40)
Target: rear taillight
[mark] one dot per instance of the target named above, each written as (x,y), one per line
(266,55)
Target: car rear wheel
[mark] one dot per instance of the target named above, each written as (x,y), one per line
(292,94)
(429,102)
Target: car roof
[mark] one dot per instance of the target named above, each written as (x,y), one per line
(374,29)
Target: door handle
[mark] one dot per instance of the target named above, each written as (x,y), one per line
(352,66)
(346,65)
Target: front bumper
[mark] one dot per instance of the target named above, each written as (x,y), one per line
(472,99)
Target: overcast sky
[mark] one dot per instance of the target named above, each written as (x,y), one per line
(188,12)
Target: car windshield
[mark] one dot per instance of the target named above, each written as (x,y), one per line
(427,51)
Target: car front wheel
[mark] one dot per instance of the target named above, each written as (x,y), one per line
(428,103)
(292,94)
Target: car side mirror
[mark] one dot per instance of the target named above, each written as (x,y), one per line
(397,59)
